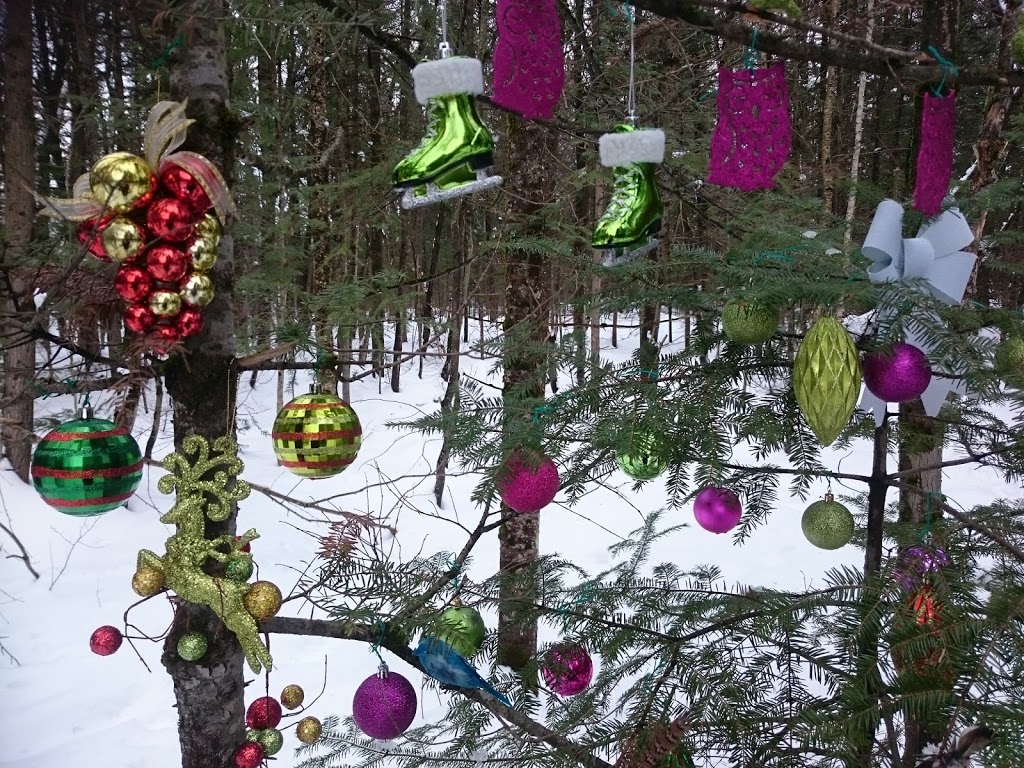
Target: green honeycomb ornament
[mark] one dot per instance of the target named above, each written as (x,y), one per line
(826,379)
(827,524)
(643,456)
(749,323)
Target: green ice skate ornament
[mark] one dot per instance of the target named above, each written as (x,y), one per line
(788,7)
(630,224)
(197,499)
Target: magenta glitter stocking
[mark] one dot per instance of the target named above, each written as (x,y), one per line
(529,66)
(935,154)
(753,136)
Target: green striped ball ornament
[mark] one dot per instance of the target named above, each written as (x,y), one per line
(316,436)
(87,467)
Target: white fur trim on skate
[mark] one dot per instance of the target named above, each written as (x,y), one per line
(619,149)
(447,77)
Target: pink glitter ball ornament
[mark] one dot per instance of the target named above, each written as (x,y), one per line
(753,136)
(717,509)
(384,705)
(898,374)
(527,488)
(567,669)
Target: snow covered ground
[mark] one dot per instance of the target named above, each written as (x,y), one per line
(62,705)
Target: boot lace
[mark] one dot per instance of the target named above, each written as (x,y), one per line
(623,188)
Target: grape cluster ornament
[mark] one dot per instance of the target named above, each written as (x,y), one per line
(160,218)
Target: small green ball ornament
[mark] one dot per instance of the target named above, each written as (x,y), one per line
(87,467)
(271,740)
(252,734)
(239,569)
(827,524)
(1010,355)
(826,378)
(316,435)
(748,323)
(644,456)
(192,646)
(462,628)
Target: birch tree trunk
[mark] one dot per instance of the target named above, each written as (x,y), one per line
(858,132)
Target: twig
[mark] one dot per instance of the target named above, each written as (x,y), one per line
(81,535)
(24,553)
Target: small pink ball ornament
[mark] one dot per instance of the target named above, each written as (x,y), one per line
(384,705)
(717,509)
(527,488)
(567,669)
(898,374)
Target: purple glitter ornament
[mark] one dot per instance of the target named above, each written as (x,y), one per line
(717,510)
(917,561)
(526,488)
(384,705)
(567,669)
(898,374)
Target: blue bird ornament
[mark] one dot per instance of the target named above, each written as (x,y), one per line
(444,664)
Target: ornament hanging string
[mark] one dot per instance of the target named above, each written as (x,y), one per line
(586,595)
(926,528)
(445,49)
(453,565)
(159,64)
(948,68)
(783,255)
(72,384)
(631,20)
(375,648)
(750,53)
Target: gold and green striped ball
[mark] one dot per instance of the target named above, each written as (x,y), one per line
(87,467)
(316,435)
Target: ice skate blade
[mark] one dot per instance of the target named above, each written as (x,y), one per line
(435,195)
(613,257)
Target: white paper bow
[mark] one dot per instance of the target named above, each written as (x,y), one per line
(936,255)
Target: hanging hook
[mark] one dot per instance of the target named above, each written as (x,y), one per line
(444,49)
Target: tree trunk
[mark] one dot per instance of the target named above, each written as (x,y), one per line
(858,133)
(527,303)
(16,306)
(202,383)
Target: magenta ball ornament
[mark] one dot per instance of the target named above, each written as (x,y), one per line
(527,486)
(717,509)
(384,705)
(567,669)
(897,374)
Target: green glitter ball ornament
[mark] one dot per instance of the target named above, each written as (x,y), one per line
(316,435)
(239,569)
(827,524)
(192,646)
(271,740)
(748,323)
(252,734)
(462,628)
(1010,355)
(644,455)
(826,378)
(87,467)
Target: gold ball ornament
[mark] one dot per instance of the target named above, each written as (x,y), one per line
(208,228)
(308,730)
(263,600)
(147,581)
(165,303)
(826,378)
(121,181)
(122,239)
(197,290)
(292,696)
(204,254)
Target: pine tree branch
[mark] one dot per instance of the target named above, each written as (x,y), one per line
(900,64)
(283,625)
(976,458)
(800,472)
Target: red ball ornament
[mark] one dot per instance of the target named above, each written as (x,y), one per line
(164,336)
(105,640)
(189,322)
(249,755)
(167,264)
(133,285)
(89,231)
(926,607)
(139,318)
(182,185)
(171,220)
(263,713)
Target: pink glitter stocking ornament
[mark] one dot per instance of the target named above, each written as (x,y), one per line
(935,155)
(753,136)
(529,66)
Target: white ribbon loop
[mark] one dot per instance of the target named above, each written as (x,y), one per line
(936,255)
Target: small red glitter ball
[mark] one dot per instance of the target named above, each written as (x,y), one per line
(106,640)
(249,755)
(138,318)
(265,712)
(182,185)
(164,336)
(89,232)
(245,547)
(189,322)
(171,220)
(133,284)
(166,264)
